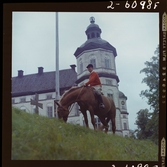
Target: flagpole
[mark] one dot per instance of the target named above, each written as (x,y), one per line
(57,89)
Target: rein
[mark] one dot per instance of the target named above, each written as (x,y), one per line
(76,99)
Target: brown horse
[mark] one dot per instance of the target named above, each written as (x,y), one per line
(86,99)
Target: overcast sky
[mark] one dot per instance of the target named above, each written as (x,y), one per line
(134,35)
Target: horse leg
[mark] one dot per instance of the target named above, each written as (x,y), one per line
(92,117)
(85,118)
(113,125)
(83,111)
(105,124)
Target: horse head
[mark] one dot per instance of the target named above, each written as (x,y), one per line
(62,112)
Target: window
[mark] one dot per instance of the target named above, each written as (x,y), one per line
(108,82)
(97,34)
(49,96)
(92,34)
(22,99)
(124,116)
(81,67)
(110,95)
(97,122)
(93,62)
(13,101)
(49,111)
(125,126)
(107,63)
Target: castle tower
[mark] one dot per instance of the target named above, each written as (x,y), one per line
(102,55)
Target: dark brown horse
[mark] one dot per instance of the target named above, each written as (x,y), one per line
(86,99)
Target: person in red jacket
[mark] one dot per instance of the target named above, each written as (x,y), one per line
(94,81)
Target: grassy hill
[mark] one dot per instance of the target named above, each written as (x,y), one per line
(37,137)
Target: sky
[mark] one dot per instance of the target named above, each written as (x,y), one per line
(134,35)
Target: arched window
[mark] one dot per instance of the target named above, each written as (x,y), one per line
(125,126)
(50,110)
(93,62)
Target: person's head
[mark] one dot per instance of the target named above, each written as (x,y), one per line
(90,67)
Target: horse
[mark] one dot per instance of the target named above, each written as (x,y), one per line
(86,99)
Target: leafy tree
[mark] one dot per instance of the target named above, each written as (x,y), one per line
(142,120)
(152,80)
(147,122)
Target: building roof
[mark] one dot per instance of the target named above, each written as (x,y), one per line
(42,82)
(95,43)
(94,40)
(121,95)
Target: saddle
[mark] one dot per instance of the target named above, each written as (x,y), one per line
(95,92)
(98,97)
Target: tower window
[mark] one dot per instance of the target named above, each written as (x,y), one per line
(125,126)
(124,116)
(107,63)
(81,67)
(98,35)
(93,62)
(108,82)
(92,34)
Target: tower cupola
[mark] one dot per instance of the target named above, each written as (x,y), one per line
(94,40)
(93,30)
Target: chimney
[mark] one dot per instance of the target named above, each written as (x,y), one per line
(40,70)
(73,66)
(20,73)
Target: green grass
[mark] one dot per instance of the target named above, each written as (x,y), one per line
(37,137)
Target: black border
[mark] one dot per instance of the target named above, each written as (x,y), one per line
(8,8)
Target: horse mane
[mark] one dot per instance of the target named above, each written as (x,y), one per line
(68,91)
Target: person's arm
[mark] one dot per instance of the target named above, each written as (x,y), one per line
(91,79)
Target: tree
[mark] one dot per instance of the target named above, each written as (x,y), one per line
(152,80)
(142,120)
(147,122)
